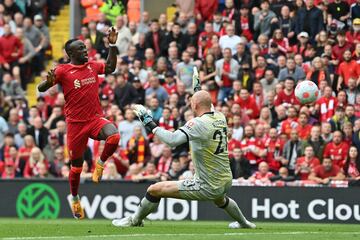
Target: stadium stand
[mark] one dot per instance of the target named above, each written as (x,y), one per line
(251,55)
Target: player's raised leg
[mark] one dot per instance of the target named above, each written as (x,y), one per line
(110,134)
(233,210)
(149,203)
(74,181)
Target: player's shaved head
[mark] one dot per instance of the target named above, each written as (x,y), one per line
(201,102)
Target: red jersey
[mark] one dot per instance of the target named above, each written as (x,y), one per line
(338,51)
(108,91)
(282,97)
(327,108)
(283,44)
(245,27)
(259,176)
(352,36)
(337,153)
(80,84)
(305,167)
(304,131)
(321,173)
(170,89)
(288,124)
(232,144)
(226,80)
(274,149)
(247,144)
(349,70)
(352,170)
(249,104)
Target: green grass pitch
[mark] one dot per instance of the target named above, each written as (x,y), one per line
(171,230)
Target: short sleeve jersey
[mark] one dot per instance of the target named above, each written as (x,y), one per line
(207,135)
(80,84)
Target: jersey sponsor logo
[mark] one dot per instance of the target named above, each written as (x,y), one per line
(87,81)
(77,84)
(73,71)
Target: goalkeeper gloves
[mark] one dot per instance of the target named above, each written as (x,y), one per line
(196,80)
(145,117)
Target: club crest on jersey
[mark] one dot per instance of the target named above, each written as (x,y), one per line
(77,84)
(89,67)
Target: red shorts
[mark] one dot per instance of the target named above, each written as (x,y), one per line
(78,134)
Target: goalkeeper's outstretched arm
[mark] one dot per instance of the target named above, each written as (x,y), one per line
(172,139)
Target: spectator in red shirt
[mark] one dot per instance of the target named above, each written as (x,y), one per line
(226,72)
(149,173)
(243,23)
(353,35)
(352,165)
(326,105)
(31,167)
(291,122)
(337,150)
(249,147)
(263,175)
(9,170)
(326,172)
(349,68)
(170,84)
(280,40)
(342,45)
(205,9)
(306,164)
(304,128)
(248,104)
(167,121)
(11,49)
(286,96)
(274,146)
(163,166)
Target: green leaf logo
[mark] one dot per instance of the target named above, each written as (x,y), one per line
(38,201)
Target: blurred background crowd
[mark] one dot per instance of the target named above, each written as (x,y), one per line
(250,54)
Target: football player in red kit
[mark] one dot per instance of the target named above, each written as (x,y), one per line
(84,116)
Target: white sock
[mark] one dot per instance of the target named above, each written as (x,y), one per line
(145,208)
(234,211)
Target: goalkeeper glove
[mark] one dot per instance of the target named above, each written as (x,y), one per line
(196,80)
(145,117)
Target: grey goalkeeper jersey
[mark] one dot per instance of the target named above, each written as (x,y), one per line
(207,135)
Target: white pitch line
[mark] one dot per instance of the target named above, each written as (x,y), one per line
(178,235)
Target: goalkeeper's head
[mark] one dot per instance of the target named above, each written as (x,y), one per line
(201,103)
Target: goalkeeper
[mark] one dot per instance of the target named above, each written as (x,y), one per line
(207,135)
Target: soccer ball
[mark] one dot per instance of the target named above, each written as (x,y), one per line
(306,92)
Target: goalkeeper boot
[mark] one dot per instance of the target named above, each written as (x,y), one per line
(97,174)
(127,222)
(248,224)
(77,210)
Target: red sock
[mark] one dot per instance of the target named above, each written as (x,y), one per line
(111,144)
(74,180)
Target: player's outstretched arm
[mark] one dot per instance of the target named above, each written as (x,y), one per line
(112,56)
(50,81)
(172,139)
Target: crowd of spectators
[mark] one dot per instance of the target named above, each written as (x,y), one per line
(251,55)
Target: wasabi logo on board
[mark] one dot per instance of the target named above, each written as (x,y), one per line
(39,201)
